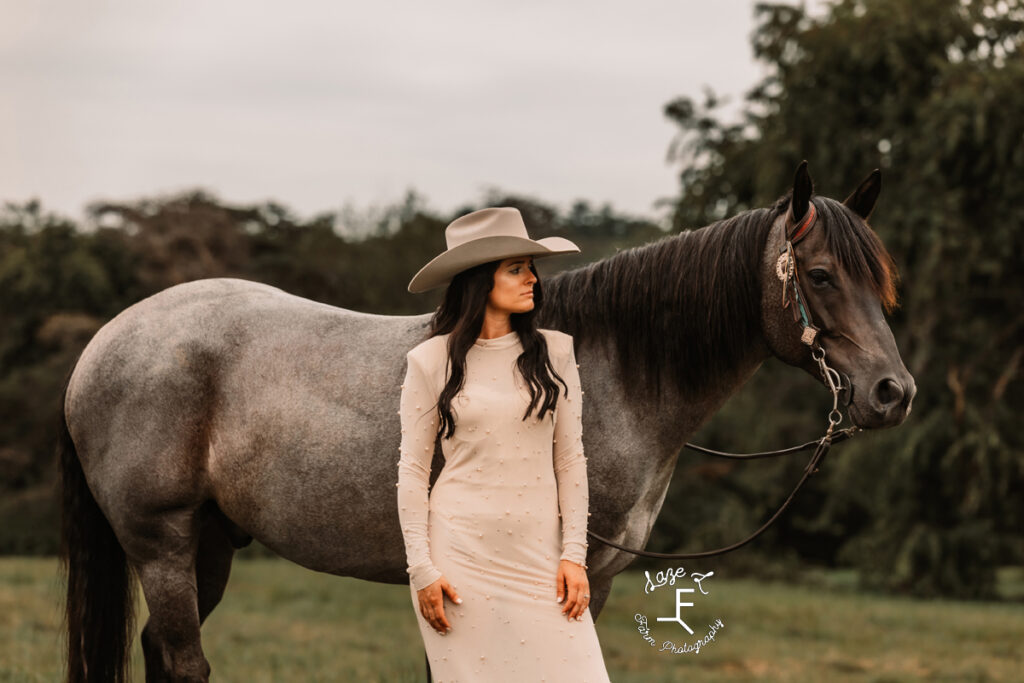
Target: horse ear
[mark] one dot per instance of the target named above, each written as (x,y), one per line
(862,200)
(802,189)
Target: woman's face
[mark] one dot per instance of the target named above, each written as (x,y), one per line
(513,286)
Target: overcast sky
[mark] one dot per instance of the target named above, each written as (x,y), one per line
(319,104)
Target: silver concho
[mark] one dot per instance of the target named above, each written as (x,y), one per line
(782,266)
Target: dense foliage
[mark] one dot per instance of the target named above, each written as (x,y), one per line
(930,91)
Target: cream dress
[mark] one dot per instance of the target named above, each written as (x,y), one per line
(510,502)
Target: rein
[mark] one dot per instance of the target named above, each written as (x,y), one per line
(785,268)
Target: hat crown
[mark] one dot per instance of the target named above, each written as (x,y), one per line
(482,236)
(503,221)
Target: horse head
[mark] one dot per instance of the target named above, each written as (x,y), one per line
(827,282)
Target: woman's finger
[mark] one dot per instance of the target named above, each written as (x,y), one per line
(442,620)
(572,594)
(432,609)
(428,613)
(452,595)
(581,588)
(583,601)
(566,586)
(580,603)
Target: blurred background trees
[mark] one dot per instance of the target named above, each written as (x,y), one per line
(930,91)
(927,90)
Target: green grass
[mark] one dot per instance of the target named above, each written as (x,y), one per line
(280,622)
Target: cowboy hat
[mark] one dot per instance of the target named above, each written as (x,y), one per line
(481,236)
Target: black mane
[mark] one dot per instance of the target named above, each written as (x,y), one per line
(690,327)
(697,324)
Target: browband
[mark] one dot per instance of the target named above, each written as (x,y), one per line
(801,230)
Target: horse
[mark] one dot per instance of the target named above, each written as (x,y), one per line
(222,410)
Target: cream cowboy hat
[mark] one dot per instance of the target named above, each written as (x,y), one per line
(485,235)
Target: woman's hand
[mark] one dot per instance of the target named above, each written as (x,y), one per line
(432,604)
(574,586)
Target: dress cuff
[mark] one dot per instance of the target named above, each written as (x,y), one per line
(575,552)
(423,574)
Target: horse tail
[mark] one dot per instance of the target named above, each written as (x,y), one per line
(100,608)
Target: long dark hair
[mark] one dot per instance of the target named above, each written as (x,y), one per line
(461,313)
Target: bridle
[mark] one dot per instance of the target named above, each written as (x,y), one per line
(792,298)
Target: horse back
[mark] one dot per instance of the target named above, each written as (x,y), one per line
(271,405)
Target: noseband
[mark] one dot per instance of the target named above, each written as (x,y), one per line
(792,297)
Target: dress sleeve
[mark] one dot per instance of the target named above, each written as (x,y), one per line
(570,465)
(419,432)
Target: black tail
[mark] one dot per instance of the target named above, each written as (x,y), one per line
(100,609)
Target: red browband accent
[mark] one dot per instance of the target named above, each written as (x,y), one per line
(802,229)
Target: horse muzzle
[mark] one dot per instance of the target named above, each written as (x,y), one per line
(886,404)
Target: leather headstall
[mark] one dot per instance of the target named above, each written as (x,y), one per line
(786,270)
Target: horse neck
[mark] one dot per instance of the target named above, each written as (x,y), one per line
(679,317)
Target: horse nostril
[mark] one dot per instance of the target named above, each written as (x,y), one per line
(887,392)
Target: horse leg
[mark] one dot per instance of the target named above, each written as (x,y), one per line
(599,592)
(170,639)
(213,563)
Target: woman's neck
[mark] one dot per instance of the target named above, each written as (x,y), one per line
(495,325)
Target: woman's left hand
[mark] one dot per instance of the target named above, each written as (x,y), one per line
(573,587)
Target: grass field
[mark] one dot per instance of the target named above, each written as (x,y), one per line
(280,622)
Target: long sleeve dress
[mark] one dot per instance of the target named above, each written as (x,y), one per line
(509,504)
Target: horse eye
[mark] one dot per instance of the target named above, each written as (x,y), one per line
(819,276)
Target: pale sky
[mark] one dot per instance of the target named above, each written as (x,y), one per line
(322,104)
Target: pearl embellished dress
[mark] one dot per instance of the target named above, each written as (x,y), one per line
(510,502)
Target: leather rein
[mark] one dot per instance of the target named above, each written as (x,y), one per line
(792,298)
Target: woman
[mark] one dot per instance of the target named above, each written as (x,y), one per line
(503,531)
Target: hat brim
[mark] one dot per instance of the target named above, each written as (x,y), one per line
(446,265)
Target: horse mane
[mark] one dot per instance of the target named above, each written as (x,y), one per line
(697,325)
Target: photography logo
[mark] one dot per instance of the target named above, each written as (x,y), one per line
(683,599)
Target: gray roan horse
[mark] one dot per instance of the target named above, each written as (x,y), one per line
(222,410)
